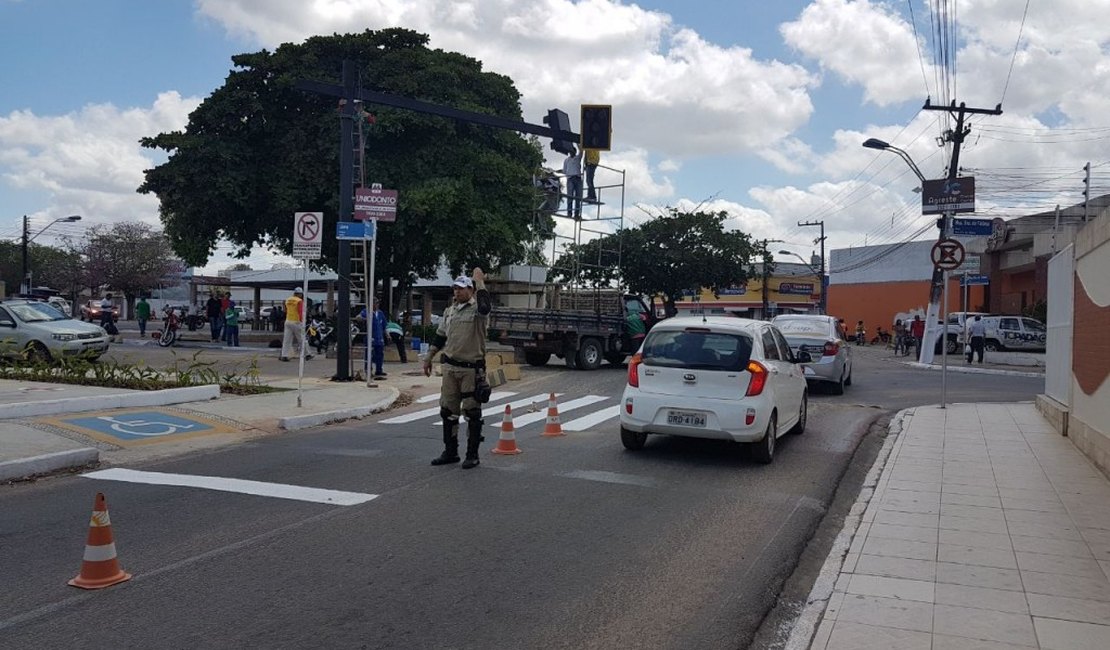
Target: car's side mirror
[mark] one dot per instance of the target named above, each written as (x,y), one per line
(802,357)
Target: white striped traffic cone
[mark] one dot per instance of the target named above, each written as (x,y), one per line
(506,444)
(100,568)
(553,427)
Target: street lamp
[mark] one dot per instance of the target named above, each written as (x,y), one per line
(820,273)
(25,286)
(875,143)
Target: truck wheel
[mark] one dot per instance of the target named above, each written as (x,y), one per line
(537,358)
(615,358)
(994,346)
(953,346)
(590,355)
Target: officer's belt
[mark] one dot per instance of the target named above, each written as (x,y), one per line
(463,364)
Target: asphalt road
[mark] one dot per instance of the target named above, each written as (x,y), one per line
(573,543)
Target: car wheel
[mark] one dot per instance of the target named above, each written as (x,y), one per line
(838,387)
(537,358)
(633,440)
(37,353)
(993,346)
(848,380)
(953,347)
(803,415)
(764,450)
(590,355)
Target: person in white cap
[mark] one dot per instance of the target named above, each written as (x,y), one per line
(294,325)
(462,337)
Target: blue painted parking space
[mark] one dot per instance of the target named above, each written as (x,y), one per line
(139,426)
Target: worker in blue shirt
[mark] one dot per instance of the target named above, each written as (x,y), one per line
(377,340)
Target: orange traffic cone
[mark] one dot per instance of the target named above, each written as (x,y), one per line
(553,426)
(100,568)
(507,443)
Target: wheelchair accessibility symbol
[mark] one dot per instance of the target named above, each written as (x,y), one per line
(141,427)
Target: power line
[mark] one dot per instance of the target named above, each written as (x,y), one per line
(1017,43)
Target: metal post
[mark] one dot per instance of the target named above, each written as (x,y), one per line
(346,208)
(24,286)
(304,336)
(370,300)
(944,344)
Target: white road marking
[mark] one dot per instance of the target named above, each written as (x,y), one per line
(568,406)
(593,419)
(434,411)
(428,398)
(539,401)
(610,477)
(257,488)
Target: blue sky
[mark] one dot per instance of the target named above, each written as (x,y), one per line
(760,105)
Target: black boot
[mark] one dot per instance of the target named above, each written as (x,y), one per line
(473,439)
(450,443)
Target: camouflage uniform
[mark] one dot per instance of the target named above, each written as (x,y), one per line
(462,338)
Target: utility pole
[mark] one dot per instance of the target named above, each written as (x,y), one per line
(824,304)
(956,137)
(767,277)
(1086,191)
(24,285)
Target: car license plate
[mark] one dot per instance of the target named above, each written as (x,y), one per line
(686,418)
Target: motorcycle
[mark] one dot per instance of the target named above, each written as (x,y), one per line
(320,335)
(168,335)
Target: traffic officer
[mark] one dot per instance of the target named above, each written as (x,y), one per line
(461,336)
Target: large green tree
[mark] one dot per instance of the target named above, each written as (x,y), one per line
(47,265)
(668,255)
(257,150)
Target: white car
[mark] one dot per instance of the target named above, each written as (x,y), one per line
(722,378)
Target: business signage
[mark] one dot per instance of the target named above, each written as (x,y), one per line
(796,288)
(948,195)
(732,291)
(375,203)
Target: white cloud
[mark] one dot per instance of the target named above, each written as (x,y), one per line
(674,93)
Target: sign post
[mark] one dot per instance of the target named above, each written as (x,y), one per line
(947,255)
(308,243)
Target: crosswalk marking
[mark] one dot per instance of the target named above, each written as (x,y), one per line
(434,411)
(568,406)
(593,419)
(219,483)
(428,398)
(500,408)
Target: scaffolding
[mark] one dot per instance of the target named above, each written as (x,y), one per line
(583,285)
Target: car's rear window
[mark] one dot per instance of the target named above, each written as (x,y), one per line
(803,328)
(697,349)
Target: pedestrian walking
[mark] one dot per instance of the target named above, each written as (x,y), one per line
(377,340)
(142,315)
(861,333)
(294,325)
(461,336)
(978,333)
(396,334)
(225,303)
(231,325)
(106,315)
(213,311)
(899,337)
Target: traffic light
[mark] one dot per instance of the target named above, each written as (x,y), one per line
(597,126)
(560,121)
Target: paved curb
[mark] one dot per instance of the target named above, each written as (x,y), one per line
(104,402)
(297,422)
(24,467)
(806,624)
(973,371)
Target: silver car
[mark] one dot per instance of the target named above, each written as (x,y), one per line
(39,332)
(825,341)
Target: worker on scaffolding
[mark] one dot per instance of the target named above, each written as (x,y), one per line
(572,169)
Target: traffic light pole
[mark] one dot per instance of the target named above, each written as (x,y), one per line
(350,92)
(24,283)
(937,289)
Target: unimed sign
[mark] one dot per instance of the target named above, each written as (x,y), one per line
(375,204)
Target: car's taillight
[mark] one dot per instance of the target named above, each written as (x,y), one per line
(634,370)
(759,378)
(831,348)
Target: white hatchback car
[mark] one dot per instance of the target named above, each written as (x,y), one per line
(722,378)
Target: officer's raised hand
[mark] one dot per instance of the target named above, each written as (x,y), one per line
(478,275)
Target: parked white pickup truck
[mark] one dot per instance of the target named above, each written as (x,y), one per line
(1014,333)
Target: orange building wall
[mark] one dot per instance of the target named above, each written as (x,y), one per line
(877,303)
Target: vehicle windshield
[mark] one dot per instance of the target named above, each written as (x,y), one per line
(697,349)
(794,328)
(36,312)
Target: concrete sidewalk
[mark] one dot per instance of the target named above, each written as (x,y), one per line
(979,527)
(31,445)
